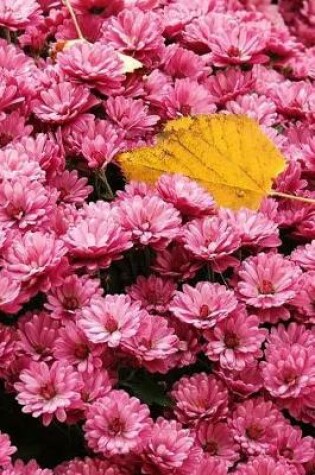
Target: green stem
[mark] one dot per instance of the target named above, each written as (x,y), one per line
(104,180)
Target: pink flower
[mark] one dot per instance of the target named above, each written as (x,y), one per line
(187,97)
(150,220)
(260,108)
(97,241)
(7,349)
(117,424)
(176,262)
(203,306)
(289,371)
(217,442)
(136,33)
(266,282)
(304,299)
(95,65)
(235,341)
(242,383)
(131,116)
(16,15)
(254,228)
(294,99)
(168,447)
(253,425)
(186,195)
(264,465)
(211,239)
(10,93)
(153,293)
(73,346)
(228,84)
(6,450)
(292,447)
(10,296)
(14,164)
(95,384)
(71,188)
(36,259)
(211,465)
(48,391)
(304,256)
(63,102)
(29,468)
(112,319)
(66,301)
(199,397)
(180,63)
(24,203)
(36,336)
(12,128)
(87,466)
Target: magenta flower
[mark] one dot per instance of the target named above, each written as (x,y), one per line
(7,348)
(112,319)
(87,466)
(228,84)
(217,442)
(30,468)
(199,397)
(63,102)
(292,447)
(6,450)
(180,63)
(71,188)
(12,128)
(264,465)
(48,391)
(203,306)
(243,383)
(236,341)
(153,293)
(117,424)
(95,65)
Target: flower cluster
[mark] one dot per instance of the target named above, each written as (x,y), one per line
(176,336)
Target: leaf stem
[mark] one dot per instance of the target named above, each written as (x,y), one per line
(104,180)
(74,19)
(302,199)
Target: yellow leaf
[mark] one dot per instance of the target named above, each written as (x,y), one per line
(228,154)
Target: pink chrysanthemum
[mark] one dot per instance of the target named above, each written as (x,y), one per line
(30,468)
(10,93)
(136,33)
(112,319)
(66,301)
(260,108)
(153,293)
(243,383)
(48,391)
(253,425)
(211,465)
(14,164)
(187,196)
(6,450)
(94,65)
(292,447)
(294,99)
(10,293)
(7,348)
(228,84)
(87,466)
(266,282)
(18,14)
(264,465)
(95,385)
(217,442)
(203,306)
(72,189)
(176,262)
(36,336)
(236,341)
(304,299)
(12,128)
(211,239)
(304,256)
(117,424)
(150,220)
(63,102)
(199,397)
(180,63)
(168,449)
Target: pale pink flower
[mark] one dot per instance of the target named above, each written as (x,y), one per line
(211,239)
(292,447)
(62,102)
(30,468)
(71,188)
(286,336)
(199,397)
(217,442)
(203,306)
(228,84)
(304,256)
(25,204)
(264,465)
(289,371)
(266,283)
(66,301)
(97,241)
(293,99)
(176,262)
(150,220)
(112,319)
(36,336)
(117,424)
(36,259)
(153,293)
(236,341)
(187,196)
(72,346)
(132,116)
(14,164)
(136,33)
(168,447)
(48,391)
(254,228)
(12,128)
(6,450)
(260,108)
(242,383)
(87,466)
(187,97)
(16,15)
(95,65)
(253,425)
(199,32)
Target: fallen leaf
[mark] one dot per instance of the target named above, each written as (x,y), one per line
(228,154)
